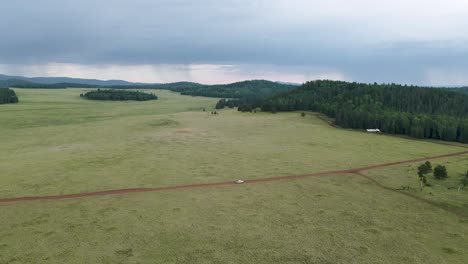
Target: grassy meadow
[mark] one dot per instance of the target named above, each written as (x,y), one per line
(54,142)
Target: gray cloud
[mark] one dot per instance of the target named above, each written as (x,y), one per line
(391,42)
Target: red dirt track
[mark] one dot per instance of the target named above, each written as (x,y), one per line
(205,185)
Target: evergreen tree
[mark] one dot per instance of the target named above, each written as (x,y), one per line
(424,169)
(440,172)
(8,96)
(428,166)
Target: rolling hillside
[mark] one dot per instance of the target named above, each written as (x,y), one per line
(55,80)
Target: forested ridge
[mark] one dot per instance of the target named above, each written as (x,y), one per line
(395,109)
(164,86)
(52,86)
(119,95)
(8,96)
(255,88)
(31,85)
(240,94)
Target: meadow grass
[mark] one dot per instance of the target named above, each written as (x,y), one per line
(54,142)
(445,193)
(333,219)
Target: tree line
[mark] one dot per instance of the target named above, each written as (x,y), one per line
(244,95)
(119,95)
(419,112)
(239,94)
(8,96)
(244,104)
(254,88)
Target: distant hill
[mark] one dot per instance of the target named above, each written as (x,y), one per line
(253,88)
(26,84)
(55,80)
(14,82)
(167,86)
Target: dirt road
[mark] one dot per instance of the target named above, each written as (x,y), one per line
(217,184)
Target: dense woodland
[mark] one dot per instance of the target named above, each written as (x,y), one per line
(8,96)
(240,94)
(243,94)
(256,88)
(119,95)
(460,89)
(395,109)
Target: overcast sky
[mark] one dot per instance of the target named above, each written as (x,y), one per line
(220,41)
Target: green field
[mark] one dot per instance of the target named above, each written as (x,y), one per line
(53,142)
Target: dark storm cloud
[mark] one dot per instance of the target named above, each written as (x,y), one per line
(358,39)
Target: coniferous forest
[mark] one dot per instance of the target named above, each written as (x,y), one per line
(8,96)
(395,109)
(119,95)
(255,88)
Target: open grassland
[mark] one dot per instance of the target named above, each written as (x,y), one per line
(53,142)
(442,193)
(336,219)
(57,143)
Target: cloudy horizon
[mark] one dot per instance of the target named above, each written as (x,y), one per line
(420,42)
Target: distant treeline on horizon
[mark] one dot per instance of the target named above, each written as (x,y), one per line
(421,112)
